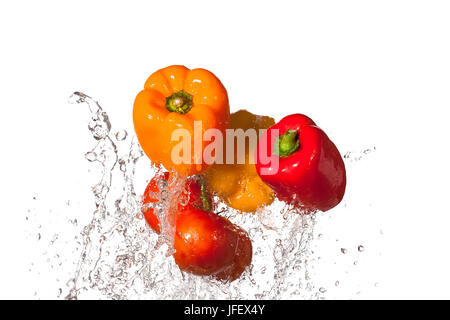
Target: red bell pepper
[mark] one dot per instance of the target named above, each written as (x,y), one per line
(198,198)
(208,244)
(301,164)
(205,243)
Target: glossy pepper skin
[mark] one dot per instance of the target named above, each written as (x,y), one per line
(311,172)
(208,244)
(173,98)
(239,185)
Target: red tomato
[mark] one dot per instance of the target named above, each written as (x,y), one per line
(196,199)
(208,244)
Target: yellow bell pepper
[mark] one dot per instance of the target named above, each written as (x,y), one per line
(238,185)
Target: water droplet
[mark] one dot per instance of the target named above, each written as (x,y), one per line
(123,166)
(91,156)
(336,283)
(162,184)
(38,237)
(343,250)
(55,237)
(322,290)
(184,201)
(164,195)
(121,135)
(99,132)
(70,282)
(278,251)
(360,248)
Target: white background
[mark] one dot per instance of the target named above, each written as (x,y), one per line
(371,73)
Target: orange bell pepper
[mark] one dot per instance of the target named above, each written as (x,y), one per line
(173,98)
(239,185)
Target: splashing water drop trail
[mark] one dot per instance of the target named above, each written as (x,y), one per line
(104,152)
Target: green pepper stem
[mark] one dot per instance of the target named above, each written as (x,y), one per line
(206,204)
(180,102)
(286,144)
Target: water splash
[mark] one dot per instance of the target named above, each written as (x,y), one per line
(122,258)
(355,156)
